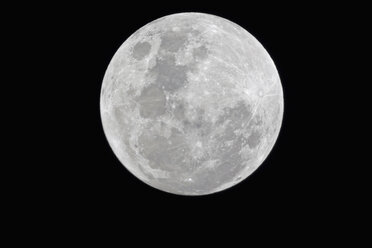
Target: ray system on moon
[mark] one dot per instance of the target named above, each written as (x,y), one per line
(191,104)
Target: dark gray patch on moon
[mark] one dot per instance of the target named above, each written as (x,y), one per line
(169,76)
(172,41)
(254,139)
(179,110)
(140,50)
(151,102)
(167,154)
(200,53)
(237,115)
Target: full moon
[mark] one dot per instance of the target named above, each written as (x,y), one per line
(191,104)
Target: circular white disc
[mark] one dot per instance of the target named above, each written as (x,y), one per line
(191,104)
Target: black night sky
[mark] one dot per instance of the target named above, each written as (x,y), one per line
(70,46)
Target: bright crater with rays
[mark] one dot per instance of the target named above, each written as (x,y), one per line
(191,104)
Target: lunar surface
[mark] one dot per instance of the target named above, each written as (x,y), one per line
(191,104)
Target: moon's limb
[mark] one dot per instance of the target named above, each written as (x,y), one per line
(191,104)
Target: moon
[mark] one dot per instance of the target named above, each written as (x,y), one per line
(191,104)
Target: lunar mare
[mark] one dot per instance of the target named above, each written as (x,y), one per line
(191,104)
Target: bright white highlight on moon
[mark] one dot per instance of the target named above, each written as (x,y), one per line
(191,104)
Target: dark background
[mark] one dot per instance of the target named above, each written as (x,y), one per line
(76,178)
